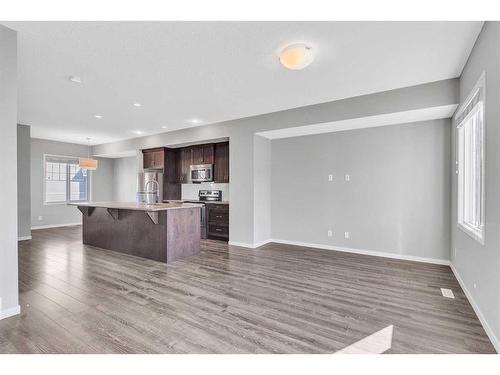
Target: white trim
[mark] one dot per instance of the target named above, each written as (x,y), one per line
(343,249)
(24,238)
(250,245)
(365,252)
(16,310)
(55,226)
(494,340)
(68,191)
(480,84)
(241,244)
(477,233)
(262,243)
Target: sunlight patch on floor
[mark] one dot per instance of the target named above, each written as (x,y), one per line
(376,343)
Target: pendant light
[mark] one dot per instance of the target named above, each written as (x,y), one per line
(88,164)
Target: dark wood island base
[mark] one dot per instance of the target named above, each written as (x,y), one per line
(161,232)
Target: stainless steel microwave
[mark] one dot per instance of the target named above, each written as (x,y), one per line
(201,172)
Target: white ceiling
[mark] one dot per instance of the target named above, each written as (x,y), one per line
(214,71)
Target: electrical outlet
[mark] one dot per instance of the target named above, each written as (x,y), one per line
(330,233)
(40,218)
(454,252)
(475,286)
(330,177)
(348,177)
(347,235)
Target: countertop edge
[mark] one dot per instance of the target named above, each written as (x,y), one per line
(135,206)
(192,200)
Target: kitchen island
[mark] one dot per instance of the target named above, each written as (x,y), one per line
(163,232)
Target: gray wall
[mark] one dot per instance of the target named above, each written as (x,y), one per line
(262,189)
(60,214)
(125,179)
(397,199)
(102,181)
(8,188)
(23,181)
(474,263)
(241,135)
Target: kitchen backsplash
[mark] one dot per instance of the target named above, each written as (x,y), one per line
(190,191)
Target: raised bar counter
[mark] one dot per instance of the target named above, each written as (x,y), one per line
(163,231)
(138,206)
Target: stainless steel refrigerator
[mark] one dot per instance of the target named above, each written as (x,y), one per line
(149,187)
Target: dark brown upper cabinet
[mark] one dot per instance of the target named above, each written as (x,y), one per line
(208,153)
(175,163)
(221,172)
(202,154)
(154,158)
(197,155)
(184,160)
(147,159)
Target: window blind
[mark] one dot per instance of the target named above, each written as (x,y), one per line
(61,159)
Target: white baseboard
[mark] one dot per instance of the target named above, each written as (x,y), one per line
(10,312)
(241,244)
(494,340)
(55,226)
(343,249)
(24,238)
(249,245)
(364,252)
(262,243)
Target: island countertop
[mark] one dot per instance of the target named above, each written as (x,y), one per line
(137,206)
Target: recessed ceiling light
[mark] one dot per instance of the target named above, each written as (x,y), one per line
(164,127)
(137,105)
(296,56)
(138,132)
(195,121)
(98,116)
(75,79)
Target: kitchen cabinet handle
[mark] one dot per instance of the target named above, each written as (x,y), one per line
(218,229)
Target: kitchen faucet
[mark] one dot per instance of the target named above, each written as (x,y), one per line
(153,191)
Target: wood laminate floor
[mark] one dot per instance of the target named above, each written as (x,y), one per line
(275,299)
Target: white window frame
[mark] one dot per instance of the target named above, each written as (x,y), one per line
(477,232)
(89,185)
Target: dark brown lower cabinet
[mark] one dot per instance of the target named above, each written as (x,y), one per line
(218,221)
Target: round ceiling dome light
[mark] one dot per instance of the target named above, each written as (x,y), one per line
(296,56)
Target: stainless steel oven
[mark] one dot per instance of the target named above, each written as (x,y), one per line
(206,196)
(201,173)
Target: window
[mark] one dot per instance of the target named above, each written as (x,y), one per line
(470,164)
(64,180)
